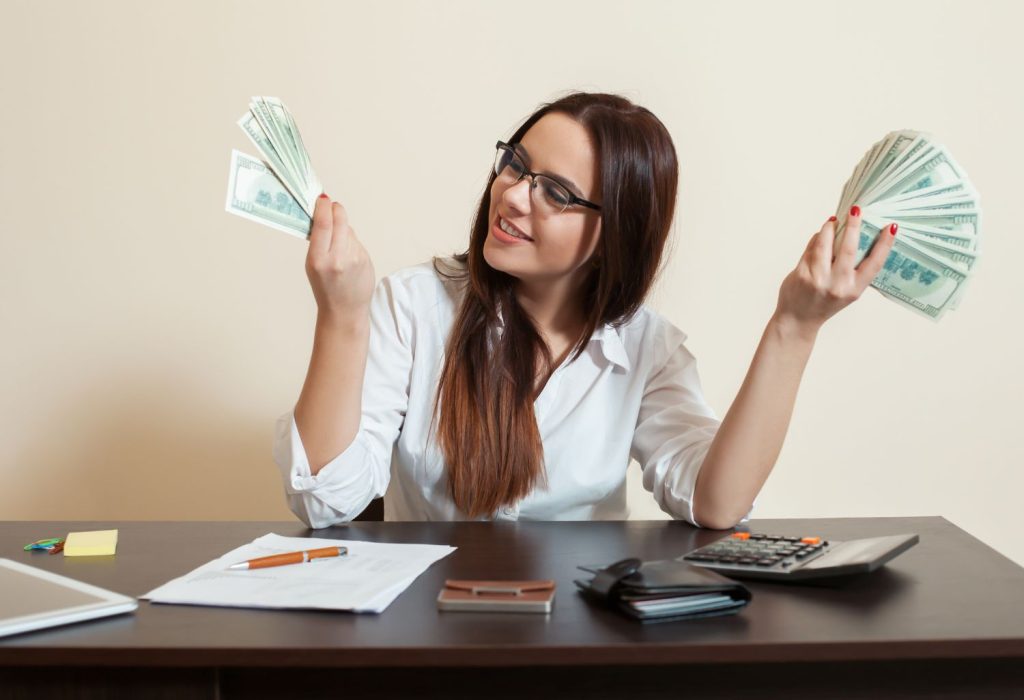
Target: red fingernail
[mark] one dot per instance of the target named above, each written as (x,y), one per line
(854,210)
(323,195)
(831,218)
(892,229)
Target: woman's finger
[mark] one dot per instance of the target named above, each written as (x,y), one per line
(819,257)
(339,219)
(851,237)
(875,259)
(320,233)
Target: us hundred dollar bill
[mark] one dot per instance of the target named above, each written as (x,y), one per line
(257,194)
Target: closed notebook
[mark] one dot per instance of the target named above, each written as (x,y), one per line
(664,590)
(497,596)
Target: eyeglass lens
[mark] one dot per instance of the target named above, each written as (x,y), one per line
(553,197)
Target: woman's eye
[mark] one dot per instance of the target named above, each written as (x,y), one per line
(556,194)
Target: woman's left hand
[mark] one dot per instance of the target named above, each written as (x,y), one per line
(825,281)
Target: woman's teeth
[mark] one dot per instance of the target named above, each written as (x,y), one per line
(511,231)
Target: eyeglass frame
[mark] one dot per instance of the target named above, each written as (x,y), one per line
(573,199)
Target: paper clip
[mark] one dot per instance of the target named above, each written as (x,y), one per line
(45,544)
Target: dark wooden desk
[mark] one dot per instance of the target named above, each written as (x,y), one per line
(945,619)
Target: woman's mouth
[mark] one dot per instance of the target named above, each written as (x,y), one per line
(507,233)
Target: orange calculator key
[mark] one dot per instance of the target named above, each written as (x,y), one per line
(810,540)
(741,535)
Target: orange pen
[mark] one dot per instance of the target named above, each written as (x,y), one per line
(290,558)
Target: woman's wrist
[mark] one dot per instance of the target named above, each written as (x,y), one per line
(789,329)
(346,321)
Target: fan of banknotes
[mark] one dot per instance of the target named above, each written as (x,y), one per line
(280,190)
(910,179)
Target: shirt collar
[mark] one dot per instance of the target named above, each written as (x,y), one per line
(607,335)
(611,345)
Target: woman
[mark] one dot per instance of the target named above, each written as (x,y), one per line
(516,380)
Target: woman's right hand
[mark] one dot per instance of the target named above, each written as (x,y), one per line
(339,269)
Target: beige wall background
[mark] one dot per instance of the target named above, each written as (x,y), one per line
(151,339)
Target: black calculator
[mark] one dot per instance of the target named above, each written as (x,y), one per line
(788,558)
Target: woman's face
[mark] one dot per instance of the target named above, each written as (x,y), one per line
(562,244)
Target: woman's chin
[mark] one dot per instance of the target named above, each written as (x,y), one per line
(494,258)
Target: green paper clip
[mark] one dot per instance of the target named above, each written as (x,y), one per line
(44,544)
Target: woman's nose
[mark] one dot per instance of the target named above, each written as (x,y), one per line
(519,194)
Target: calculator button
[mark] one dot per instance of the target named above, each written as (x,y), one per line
(741,535)
(811,540)
(765,562)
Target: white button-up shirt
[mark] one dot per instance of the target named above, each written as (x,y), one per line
(634,392)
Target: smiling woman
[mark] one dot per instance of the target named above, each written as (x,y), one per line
(517,379)
(588,231)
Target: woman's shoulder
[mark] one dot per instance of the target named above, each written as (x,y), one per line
(648,325)
(426,284)
(649,337)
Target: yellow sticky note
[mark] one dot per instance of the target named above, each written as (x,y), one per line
(91,543)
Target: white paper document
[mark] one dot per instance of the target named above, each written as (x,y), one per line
(366,579)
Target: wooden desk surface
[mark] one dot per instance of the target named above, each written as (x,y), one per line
(950,596)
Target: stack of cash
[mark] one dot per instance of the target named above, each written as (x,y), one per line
(910,179)
(280,190)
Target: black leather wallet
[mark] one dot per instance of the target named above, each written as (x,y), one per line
(663,590)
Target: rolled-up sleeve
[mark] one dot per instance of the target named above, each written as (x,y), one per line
(343,488)
(674,429)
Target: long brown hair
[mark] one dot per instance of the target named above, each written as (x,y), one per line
(484,405)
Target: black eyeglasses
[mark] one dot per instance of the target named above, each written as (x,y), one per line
(554,196)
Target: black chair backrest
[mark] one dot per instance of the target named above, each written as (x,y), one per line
(374,512)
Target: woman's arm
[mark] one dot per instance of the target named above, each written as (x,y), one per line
(747,443)
(341,275)
(356,394)
(330,406)
(750,438)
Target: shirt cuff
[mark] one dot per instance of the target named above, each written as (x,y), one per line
(339,492)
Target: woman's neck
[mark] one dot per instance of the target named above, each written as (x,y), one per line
(554,308)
